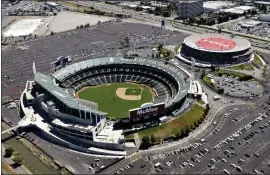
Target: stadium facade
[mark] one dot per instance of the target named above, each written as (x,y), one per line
(216,49)
(78,124)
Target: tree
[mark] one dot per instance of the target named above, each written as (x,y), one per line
(196,124)
(158,140)
(9,151)
(182,132)
(178,134)
(166,14)
(203,73)
(153,139)
(187,130)
(160,46)
(145,142)
(17,158)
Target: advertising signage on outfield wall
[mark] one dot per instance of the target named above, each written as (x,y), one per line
(147,112)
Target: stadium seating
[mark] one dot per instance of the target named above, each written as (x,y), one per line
(164,88)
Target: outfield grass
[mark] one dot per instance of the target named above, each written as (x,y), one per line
(258,61)
(109,102)
(245,66)
(133,91)
(169,129)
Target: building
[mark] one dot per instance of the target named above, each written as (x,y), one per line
(249,24)
(78,124)
(52,5)
(187,9)
(264,17)
(216,6)
(216,49)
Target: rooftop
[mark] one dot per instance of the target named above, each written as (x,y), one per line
(216,42)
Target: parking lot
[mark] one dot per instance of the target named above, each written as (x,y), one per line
(237,144)
(234,87)
(81,44)
(262,30)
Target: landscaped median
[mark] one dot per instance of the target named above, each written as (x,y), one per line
(176,128)
(245,66)
(176,49)
(257,60)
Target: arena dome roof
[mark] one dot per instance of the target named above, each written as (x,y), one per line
(217,43)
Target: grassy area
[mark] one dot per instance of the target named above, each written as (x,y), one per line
(133,91)
(109,102)
(169,129)
(230,73)
(75,6)
(130,136)
(165,52)
(31,162)
(200,102)
(258,61)
(176,49)
(245,66)
(208,81)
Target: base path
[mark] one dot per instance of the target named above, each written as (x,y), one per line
(121,93)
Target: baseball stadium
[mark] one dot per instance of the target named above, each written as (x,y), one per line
(216,49)
(77,100)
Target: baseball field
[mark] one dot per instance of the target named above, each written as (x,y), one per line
(117,99)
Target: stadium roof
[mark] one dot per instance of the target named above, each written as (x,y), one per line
(47,83)
(241,43)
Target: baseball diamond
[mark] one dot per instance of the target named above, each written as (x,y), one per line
(109,101)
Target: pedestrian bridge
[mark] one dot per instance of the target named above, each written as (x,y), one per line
(10,129)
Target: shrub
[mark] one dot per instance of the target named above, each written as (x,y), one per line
(9,151)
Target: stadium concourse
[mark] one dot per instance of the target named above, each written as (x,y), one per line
(215,49)
(49,103)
